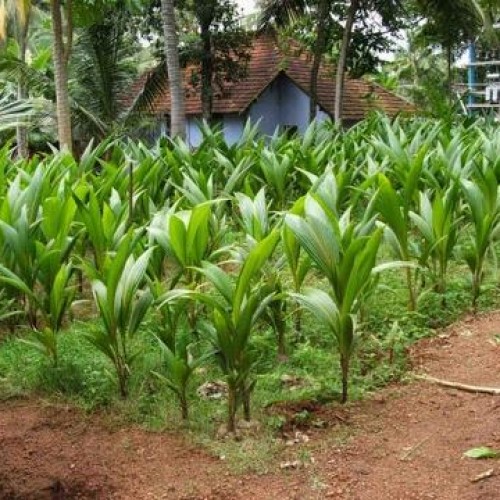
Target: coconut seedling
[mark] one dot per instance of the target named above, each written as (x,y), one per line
(123,298)
(345,253)
(483,203)
(236,306)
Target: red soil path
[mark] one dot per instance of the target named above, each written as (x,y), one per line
(407,442)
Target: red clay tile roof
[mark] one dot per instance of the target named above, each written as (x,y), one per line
(266,62)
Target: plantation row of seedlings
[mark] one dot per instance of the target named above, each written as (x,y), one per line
(219,241)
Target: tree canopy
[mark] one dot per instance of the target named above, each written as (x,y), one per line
(83,58)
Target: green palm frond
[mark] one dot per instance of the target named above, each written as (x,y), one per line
(102,70)
(152,86)
(13,69)
(281,12)
(15,113)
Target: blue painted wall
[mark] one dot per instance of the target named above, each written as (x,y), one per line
(267,109)
(234,125)
(282,104)
(193,133)
(294,105)
(321,116)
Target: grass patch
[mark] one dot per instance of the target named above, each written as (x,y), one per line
(85,378)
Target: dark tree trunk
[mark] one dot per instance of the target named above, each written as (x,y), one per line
(319,50)
(342,62)
(206,73)
(476,287)
(449,76)
(344,365)
(184,405)
(123,381)
(247,415)
(231,408)
(122,368)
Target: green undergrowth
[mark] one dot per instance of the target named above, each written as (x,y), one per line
(86,379)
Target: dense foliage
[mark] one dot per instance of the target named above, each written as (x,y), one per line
(219,243)
(67,69)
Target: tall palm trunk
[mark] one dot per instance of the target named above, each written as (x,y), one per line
(449,71)
(22,131)
(177,106)
(61,57)
(319,50)
(341,65)
(206,73)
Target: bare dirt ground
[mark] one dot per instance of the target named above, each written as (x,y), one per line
(407,442)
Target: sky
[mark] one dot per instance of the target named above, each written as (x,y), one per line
(247,5)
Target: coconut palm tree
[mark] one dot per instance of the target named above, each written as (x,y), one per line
(417,72)
(61,54)
(342,61)
(22,17)
(102,70)
(283,12)
(177,106)
(451,24)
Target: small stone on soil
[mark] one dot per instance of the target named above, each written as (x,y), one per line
(213,390)
(292,382)
(295,464)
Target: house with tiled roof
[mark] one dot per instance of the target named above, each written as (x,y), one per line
(275,93)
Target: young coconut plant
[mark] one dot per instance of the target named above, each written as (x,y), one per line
(299,263)
(18,255)
(105,223)
(36,258)
(185,238)
(394,207)
(277,172)
(255,221)
(236,308)
(122,301)
(52,307)
(54,271)
(406,159)
(179,351)
(23,235)
(483,202)
(345,253)
(437,221)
